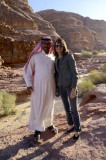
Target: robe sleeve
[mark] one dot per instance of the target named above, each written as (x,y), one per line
(28,74)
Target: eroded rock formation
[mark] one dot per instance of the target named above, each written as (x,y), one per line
(20,30)
(79,32)
(96,95)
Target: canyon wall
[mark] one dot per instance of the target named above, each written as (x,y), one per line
(79,32)
(21,29)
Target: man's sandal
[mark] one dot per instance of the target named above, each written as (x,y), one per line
(53,129)
(37,136)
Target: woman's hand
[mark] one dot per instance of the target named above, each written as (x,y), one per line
(29,89)
(73,93)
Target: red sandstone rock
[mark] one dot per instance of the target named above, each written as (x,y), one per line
(96,95)
(79,32)
(20,30)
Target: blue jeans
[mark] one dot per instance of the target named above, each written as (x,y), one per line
(70,106)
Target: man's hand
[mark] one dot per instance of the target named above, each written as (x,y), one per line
(73,93)
(29,89)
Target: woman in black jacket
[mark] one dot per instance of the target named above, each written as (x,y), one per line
(66,81)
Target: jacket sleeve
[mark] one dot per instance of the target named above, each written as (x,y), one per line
(73,68)
(28,74)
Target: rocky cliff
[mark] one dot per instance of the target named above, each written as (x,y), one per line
(99,26)
(20,30)
(79,32)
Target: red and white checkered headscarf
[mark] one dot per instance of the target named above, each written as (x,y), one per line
(38,49)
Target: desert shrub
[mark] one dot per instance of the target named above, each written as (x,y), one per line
(95,52)
(84,86)
(86,54)
(101,66)
(102,51)
(97,77)
(7,103)
(98,52)
(1,99)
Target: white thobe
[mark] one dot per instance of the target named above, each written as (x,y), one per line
(42,97)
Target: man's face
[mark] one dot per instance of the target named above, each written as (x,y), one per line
(46,45)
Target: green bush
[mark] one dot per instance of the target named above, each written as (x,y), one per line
(98,52)
(7,103)
(86,54)
(85,86)
(101,66)
(94,77)
(1,99)
(102,51)
(97,77)
(95,52)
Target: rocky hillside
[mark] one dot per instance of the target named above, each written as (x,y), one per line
(98,26)
(20,29)
(79,32)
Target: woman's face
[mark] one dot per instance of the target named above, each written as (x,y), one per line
(59,48)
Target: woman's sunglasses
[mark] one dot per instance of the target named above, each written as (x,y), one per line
(59,45)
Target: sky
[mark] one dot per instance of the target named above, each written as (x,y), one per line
(94,9)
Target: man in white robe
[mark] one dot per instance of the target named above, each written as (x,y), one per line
(39,78)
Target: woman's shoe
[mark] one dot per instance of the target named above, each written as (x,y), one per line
(75,138)
(69,130)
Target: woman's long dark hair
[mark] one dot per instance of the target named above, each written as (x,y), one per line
(63,43)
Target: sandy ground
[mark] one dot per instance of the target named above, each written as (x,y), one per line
(16,141)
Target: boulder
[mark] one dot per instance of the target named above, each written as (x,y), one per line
(93,110)
(96,95)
